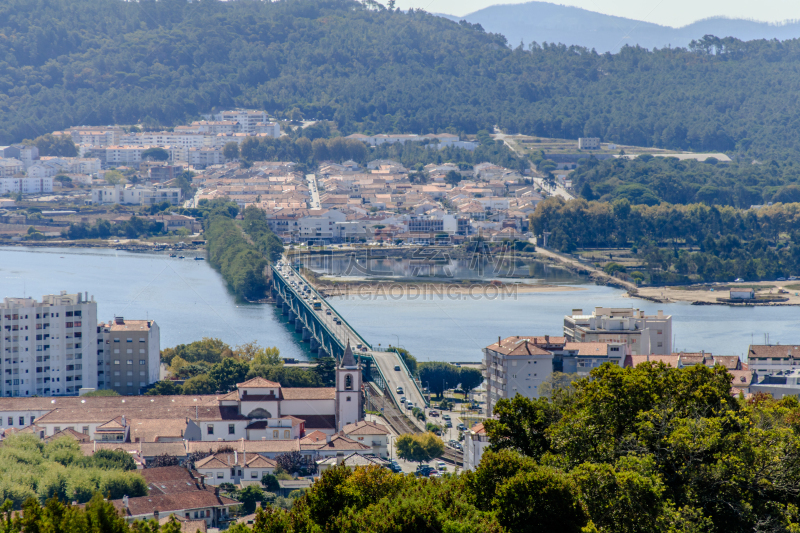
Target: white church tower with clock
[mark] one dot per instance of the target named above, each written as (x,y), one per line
(348,390)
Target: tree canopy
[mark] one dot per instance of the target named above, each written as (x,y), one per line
(376,70)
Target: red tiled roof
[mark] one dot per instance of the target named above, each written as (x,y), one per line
(258,382)
(197,499)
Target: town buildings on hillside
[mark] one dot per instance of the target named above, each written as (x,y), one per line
(644,334)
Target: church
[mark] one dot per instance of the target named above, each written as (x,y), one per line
(258,409)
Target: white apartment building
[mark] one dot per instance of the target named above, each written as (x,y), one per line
(203,157)
(521,364)
(26,185)
(475,443)
(644,334)
(27,155)
(132,155)
(93,135)
(72,165)
(48,347)
(166,138)
(10,166)
(136,195)
(320,224)
(588,143)
(128,355)
(248,119)
(216,126)
(771,359)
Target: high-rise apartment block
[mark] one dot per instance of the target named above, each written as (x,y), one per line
(128,355)
(48,347)
(644,334)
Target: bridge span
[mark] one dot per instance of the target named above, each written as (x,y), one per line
(328,333)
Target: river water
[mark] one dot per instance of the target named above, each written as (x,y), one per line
(189,301)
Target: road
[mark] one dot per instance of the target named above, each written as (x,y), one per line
(557,190)
(387,361)
(596,273)
(313,188)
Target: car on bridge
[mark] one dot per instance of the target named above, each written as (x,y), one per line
(327,311)
(399,390)
(397,368)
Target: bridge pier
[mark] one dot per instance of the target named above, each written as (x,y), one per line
(306,335)
(298,325)
(321,352)
(314,344)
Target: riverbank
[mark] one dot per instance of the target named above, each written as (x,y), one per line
(708,294)
(132,245)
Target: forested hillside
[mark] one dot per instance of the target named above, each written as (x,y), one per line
(68,62)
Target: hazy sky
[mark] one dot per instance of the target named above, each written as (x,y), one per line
(666,12)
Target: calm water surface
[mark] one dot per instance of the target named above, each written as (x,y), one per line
(189,300)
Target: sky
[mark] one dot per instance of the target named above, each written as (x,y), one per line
(673,13)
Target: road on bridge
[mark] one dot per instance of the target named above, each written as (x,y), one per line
(390,365)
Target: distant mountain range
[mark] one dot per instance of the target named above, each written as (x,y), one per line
(545,22)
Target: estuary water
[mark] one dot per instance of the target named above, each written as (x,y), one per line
(189,300)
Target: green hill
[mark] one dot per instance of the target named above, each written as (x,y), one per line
(70,62)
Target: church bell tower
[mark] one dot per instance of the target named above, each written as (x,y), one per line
(348,390)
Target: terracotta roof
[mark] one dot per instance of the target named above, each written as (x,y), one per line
(259,461)
(69,432)
(249,446)
(148,449)
(308,393)
(112,425)
(365,428)
(518,346)
(197,499)
(355,459)
(774,350)
(104,402)
(188,525)
(258,382)
(314,436)
(338,442)
(587,349)
(154,430)
(731,362)
(478,428)
(166,473)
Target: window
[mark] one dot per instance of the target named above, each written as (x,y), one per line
(85,430)
(10,420)
(116,340)
(348,398)
(286,434)
(130,361)
(275,434)
(231,429)
(348,382)
(22,421)
(219,476)
(659,332)
(116,361)
(142,362)
(142,339)
(33,419)
(660,344)
(210,429)
(129,339)
(253,475)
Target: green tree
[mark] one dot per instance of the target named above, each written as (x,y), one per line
(249,496)
(469,378)
(270,483)
(453,178)
(227,374)
(164,387)
(231,151)
(155,154)
(51,145)
(439,376)
(100,392)
(199,385)
(521,424)
(114,177)
(419,448)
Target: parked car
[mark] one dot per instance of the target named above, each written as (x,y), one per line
(462,427)
(399,390)
(440,465)
(446,417)
(434,413)
(448,424)
(424,470)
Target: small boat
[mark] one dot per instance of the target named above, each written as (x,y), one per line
(180,257)
(173,255)
(199,258)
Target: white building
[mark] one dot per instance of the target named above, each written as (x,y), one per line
(203,157)
(588,143)
(248,119)
(26,185)
(27,155)
(128,355)
(348,390)
(644,334)
(136,195)
(320,224)
(48,347)
(369,434)
(74,165)
(475,443)
(521,364)
(10,166)
(234,467)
